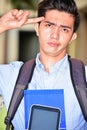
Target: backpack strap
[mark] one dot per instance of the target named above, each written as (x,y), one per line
(24,77)
(78,77)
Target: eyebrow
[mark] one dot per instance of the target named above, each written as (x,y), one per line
(64,26)
(50,22)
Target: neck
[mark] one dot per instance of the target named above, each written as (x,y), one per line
(48,60)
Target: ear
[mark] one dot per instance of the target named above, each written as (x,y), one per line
(74,36)
(36,28)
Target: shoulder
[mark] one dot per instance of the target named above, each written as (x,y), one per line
(13,67)
(16,64)
(8,75)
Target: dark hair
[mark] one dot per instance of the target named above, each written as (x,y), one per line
(68,6)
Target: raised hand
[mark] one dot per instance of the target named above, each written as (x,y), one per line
(15,19)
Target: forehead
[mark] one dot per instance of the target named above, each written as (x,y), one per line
(59,17)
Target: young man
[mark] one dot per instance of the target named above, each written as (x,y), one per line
(55,33)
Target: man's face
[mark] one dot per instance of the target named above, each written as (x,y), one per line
(55,32)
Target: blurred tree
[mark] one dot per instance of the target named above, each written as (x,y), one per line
(25,4)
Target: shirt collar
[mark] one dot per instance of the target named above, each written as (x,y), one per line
(56,66)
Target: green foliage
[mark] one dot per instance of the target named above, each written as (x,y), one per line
(2,116)
(24,4)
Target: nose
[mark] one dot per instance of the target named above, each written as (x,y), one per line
(55,33)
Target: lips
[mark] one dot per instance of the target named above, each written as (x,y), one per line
(53,44)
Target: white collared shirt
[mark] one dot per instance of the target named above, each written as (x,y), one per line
(57,78)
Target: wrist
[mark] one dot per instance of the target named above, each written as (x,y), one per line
(2,28)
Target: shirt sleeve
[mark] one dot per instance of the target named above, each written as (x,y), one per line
(8,76)
(86,72)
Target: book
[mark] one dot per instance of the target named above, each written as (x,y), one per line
(45,98)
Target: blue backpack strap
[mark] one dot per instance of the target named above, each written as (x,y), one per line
(24,77)
(78,77)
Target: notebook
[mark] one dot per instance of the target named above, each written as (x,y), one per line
(39,101)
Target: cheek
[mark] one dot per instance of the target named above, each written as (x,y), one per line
(65,39)
(45,34)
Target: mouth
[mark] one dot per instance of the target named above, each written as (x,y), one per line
(53,44)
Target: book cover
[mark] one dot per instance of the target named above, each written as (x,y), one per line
(52,100)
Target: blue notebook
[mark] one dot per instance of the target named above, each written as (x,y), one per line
(50,102)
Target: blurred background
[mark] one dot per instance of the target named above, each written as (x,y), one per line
(22,44)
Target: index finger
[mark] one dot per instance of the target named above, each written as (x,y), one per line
(34,20)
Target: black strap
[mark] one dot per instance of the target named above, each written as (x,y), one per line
(78,77)
(24,78)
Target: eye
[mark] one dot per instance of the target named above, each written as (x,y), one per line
(65,30)
(49,25)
